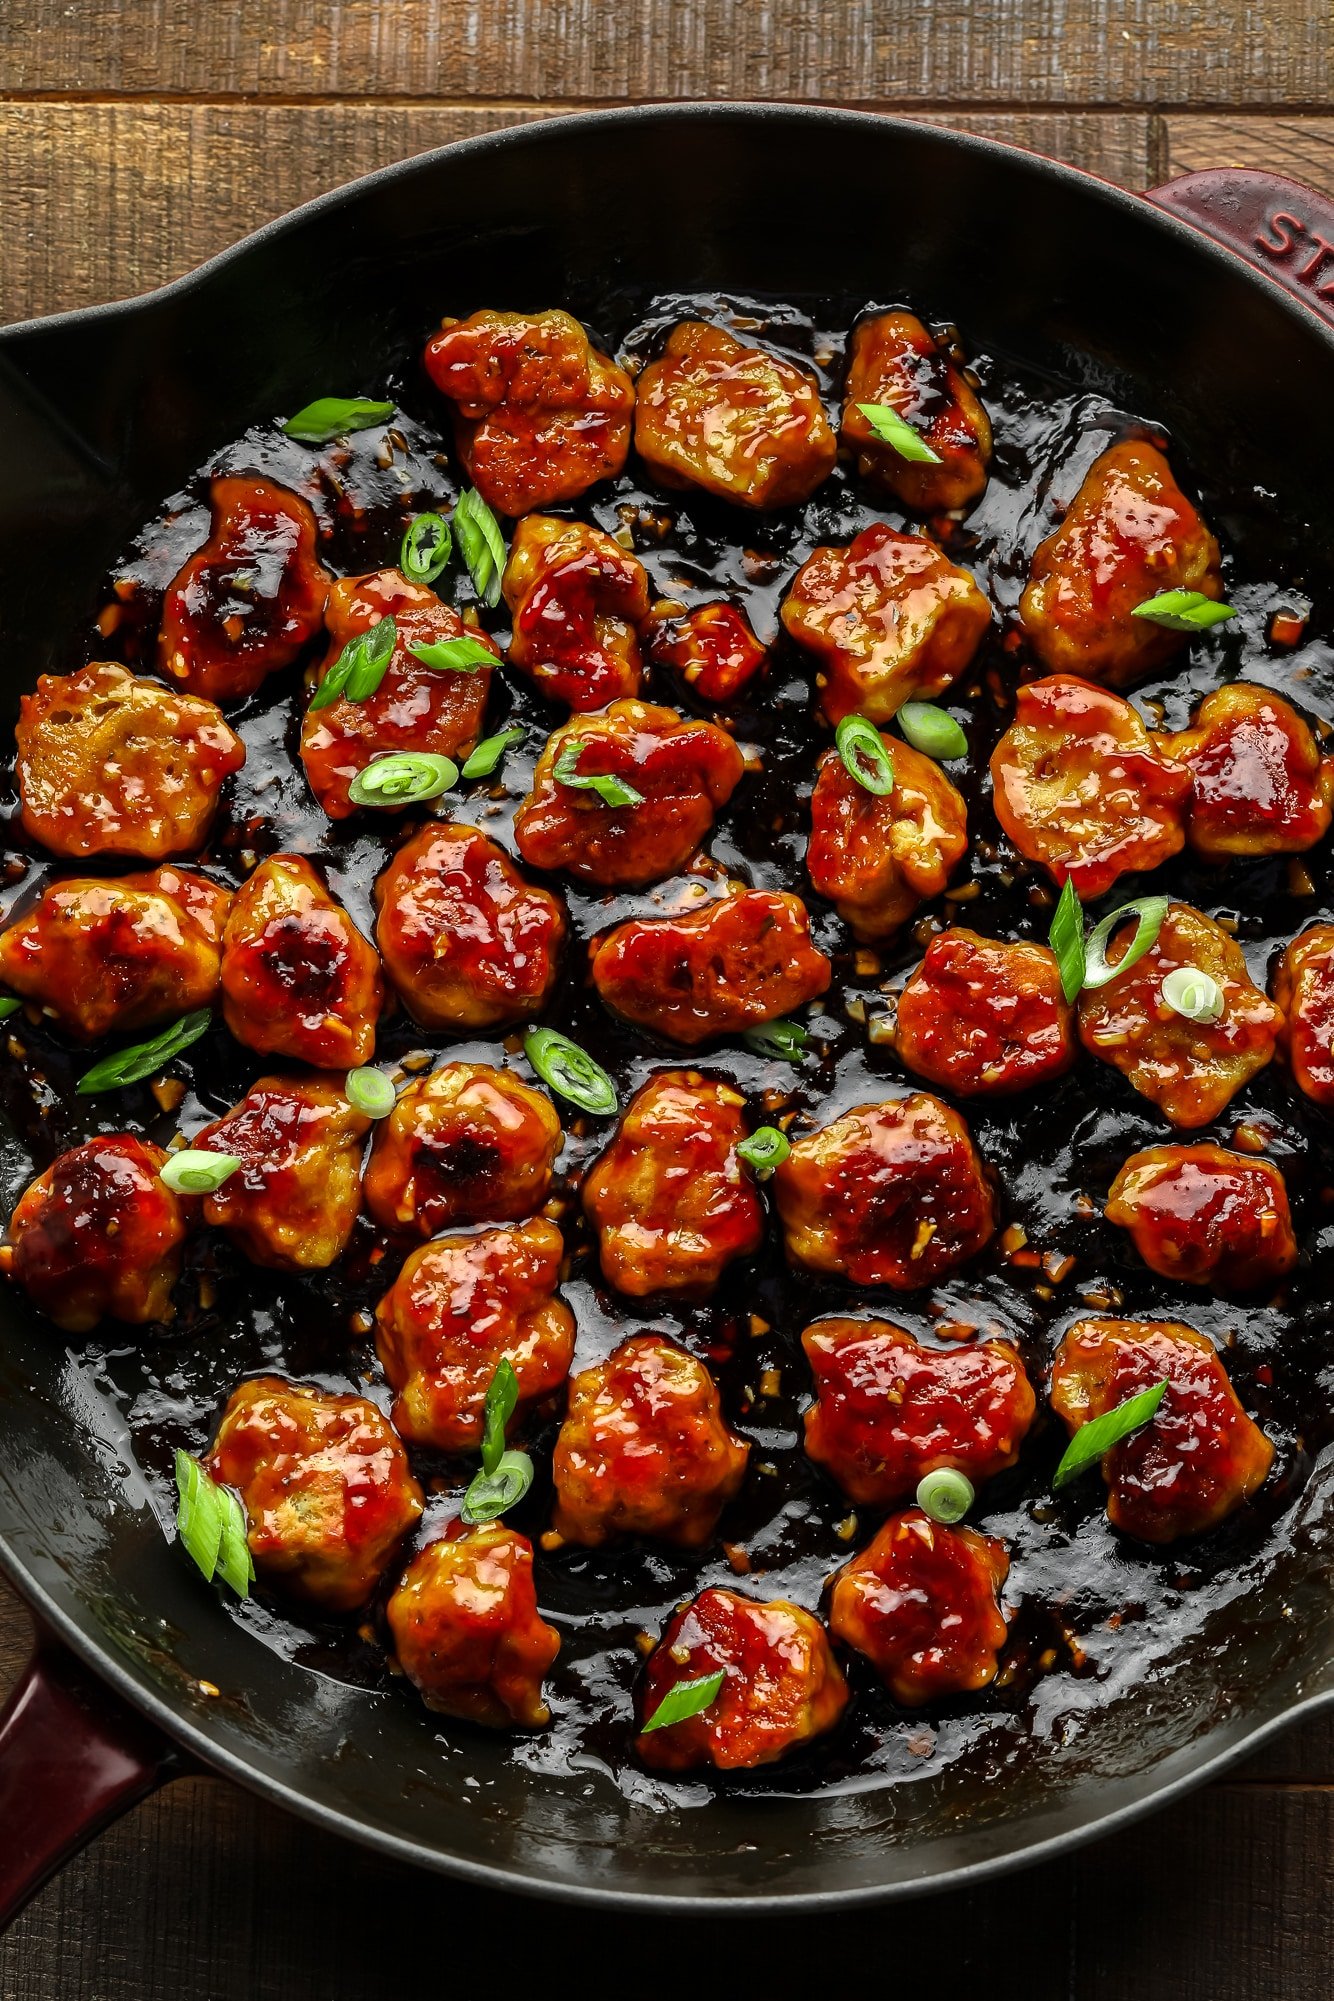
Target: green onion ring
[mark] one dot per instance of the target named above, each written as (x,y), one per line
(945,1495)
(570,1071)
(865,755)
(370,1091)
(198,1171)
(404,778)
(766,1149)
(1150,910)
(424,550)
(492,1494)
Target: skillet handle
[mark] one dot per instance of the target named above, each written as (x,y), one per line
(72,1757)
(1283,228)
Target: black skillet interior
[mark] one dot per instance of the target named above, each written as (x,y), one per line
(104,414)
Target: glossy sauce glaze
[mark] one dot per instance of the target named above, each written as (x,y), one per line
(1093,1615)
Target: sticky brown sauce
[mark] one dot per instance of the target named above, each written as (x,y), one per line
(1094,1618)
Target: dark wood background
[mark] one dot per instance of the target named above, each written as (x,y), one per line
(139,136)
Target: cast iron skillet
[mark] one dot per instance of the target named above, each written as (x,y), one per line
(103,412)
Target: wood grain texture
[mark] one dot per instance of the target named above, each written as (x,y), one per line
(104,200)
(1301,148)
(883,52)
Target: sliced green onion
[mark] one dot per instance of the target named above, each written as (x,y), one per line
(610,790)
(502,1395)
(1192,993)
(360,667)
(481,545)
(766,1149)
(196,1171)
(1066,938)
(236,1566)
(454,656)
(945,1495)
(130,1066)
(891,429)
(865,755)
(570,1071)
(785,1040)
(334,682)
(334,416)
(683,1699)
(210,1522)
(492,1494)
(1184,611)
(402,779)
(370,1091)
(931,730)
(1150,910)
(372,651)
(8,1006)
(1093,1439)
(490,752)
(425,548)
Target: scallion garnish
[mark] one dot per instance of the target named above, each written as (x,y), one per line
(334,416)
(570,1071)
(931,730)
(945,1495)
(611,791)
(1184,611)
(491,1495)
(865,755)
(1102,1433)
(196,1171)
(502,1396)
(403,779)
(360,667)
(481,545)
(454,656)
(1193,994)
(372,651)
(505,1476)
(370,1091)
(130,1066)
(1150,912)
(1066,938)
(424,550)
(891,429)
(766,1149)
(685,1698)
(211,1524)
(785,1040)
(489,752)
(9,1005)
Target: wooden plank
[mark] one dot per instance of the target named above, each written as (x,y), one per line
(205,1891)
(1226,1898)
(1302,148)
(104,200)
(1304,1756)
(960,52)
(233,1902)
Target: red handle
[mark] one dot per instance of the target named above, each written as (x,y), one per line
(72,1757)
(1284,228)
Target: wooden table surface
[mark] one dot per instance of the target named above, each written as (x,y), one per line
(139,136)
